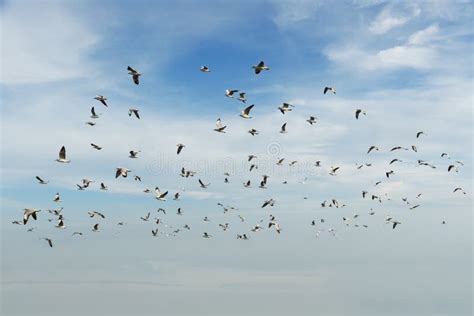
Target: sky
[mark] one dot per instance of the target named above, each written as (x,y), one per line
(407,64)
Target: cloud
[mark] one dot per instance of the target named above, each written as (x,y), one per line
(392,17)
(294,11)
(52,46)
(424,36)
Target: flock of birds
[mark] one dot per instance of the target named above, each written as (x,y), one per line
(272,222)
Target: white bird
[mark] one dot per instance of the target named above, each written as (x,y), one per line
(245,113)
(331,89)
(205,69)
(95,228)
(57,198)
(103,186)
(286,107)
(283,129)
(62,156)
(230,93)
(135,75)
(358,112)
(41,181)
(259,67)
(94,115)
(242,97)
(160,196)
(61,224)
(219,128)
(133,111)
(121,172)
(27,212)
(101,99)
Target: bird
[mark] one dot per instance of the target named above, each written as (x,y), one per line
(134,154)
(206,235)
(180,147)
(372,148)
(245,113)
(57,198)
(160,196)
(205,68)
(311,120)
(154,232)
(96,146)
(250,157)
(133,111)
(41,181)
(179,212)
(253,131)
(259,67)
(50,242)
(27,212)
(219,128)
(286,107)
(62,156)
(101,99)
(451,167)
(61,224)
(95,213)
(247,184)
(204,186)
(242,97)
(387,174)
(394,224)
(459,189)
(413,147)
(283,129)
(121,172)
(394,160)
(137,178)
(76,233)
(176,196)
(331,89)
(91,123)
(103,186)
(146,218)
(419,134)
(135,75)
(270,202)
(230,93)
(333,170)
(358,112)
(93,114)
(95,228)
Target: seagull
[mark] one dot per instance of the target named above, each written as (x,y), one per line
(250,157)
(372,148)
(91,123)
(61,224)
(244,237)
(259,67)
(96,146)
(253,131)
(76,233)
(398,148)
(283,129)
(333,170)
(242,97)
(419,134)
(317,163)
(459,189)
(50,242)
(80,187)
(135,74)
(154,232)
(94,213)
(270,202)
(357,113)
(86,182)
(451,167)
(94,115)
(285,108)
(389,173)
(413,147)
(57,198)
(101,99)
(253,166)
(206,235)
(146,218)
(178,212)
(133,111)
(41,181)
(176,196)
(245,113)
(331,89)
(121,172)
(95,228)
(311,120)
(394,224)
(219,128)
(256,228)
(62,156)
(247,184)
(137,178)
(230,93)
(180,147)
(204,186)
(204,69)
(394,160)
(280,161)
(103,186)
(161,210)
(133,154)
(160,196)
(27,212)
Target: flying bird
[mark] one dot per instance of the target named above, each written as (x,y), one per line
(94,115)
(253,131)
(62,156)
(283,129)
(135,75)
(330,89)
(180,147)
(160,196)
(311,120)
(29,212)
(96,146)
(41,181)
(219,128)
(259,67)
(50,242)
(419,134)
(101,99)
(103,186)
(372,148)
(204,69)
(242,97)
(286,107)
(358,112)
(230,93)
(245,113)
(134,154)
(134,112)
(204,186)
(121,172)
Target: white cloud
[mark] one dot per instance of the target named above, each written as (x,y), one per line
(392,17)
(424,36)
(294,11)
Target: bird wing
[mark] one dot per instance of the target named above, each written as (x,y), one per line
(247,109)
(39,179)
(118,173)
(62,153)
(131,69)
(93,111)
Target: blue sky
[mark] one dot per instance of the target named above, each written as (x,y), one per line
(408,64)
